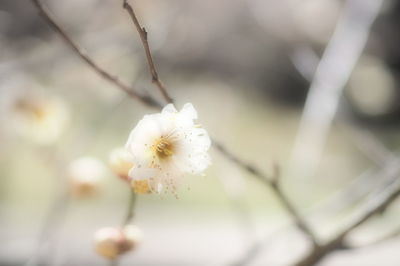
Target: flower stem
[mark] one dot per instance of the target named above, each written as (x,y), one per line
(130,211)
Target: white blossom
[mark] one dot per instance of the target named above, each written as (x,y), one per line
(165,146)
(41,119)
(121,163)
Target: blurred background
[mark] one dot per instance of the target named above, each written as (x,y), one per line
(247,66)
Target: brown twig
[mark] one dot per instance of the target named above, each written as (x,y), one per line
(100,71)
(273,183)
(376,206)
(390,169)
(143,37)
(149,101)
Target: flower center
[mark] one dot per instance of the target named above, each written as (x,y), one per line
(163,148)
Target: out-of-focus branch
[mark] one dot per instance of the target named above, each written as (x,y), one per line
(55,214)
(300,222)
(130,210)
(375,206)
(274,184)
(387,168)
(100,71)
(385,193)
(345,197)
(331,76)
(383,239)
(371,146)
(143,37)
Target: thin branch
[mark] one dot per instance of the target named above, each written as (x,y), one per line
(378,241)
(371,181)
(273,183)
(52,221)
(127,218)
(100,71)
(333,71)
(55,213)
(371,146)
(149,101)
(143,37)
(130,210)
(336,203)
(375,206)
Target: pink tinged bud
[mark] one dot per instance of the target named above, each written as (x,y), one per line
(112,242)
(84,176)
(121,163)
(141,186)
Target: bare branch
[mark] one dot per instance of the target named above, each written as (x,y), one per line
(276,188)
(333,71)
(390,236)
(299,221)
(372,181)
(127,218)
(371,146)
(56,212)
(143,37)
(130,210)
(375,206)
(100,71)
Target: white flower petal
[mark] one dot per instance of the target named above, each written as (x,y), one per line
(189,111)
(141,173)
(170,108)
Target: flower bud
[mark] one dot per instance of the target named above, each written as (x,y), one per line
(106,242)
(42,120)
(132,237)
(111,242)
(84,175)
(121,163)
(141,186)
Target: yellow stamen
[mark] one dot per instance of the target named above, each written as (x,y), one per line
(163,148)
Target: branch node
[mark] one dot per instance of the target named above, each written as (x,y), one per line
(144,33)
